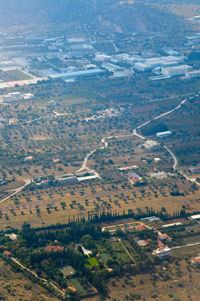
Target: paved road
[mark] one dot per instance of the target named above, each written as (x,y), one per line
(169,151)
(15,191)
(138,135)
(185,246)
(173,156)
(66,114)
(105,143)
(84,165)
(193,180)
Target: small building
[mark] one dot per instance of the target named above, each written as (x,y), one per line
(157,160)
(44,182)
(171,225)
(164,237)
(133,177)
(28,96)
(86,251)
(150,219)
(7,253)
(71,288)
(28,158)
(162,252)
(12,236)
(87,178)
(14,96)
(128,168)
(56,160)
(142,243)
(69,178)
(163,134)
(195,260)
(195,217)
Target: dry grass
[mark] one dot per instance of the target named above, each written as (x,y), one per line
(14,286)
(185,285)
(118,198)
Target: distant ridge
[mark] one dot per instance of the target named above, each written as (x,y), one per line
(89,15)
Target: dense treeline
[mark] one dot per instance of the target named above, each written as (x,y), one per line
(153,128)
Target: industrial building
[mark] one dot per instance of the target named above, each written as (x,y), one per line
(141,67)
(172,225)
(14,96)
(111,67)
(176,70)
(163,134)
(192,74)
(155,62)
(76,74)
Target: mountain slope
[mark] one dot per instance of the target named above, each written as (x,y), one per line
(103,15)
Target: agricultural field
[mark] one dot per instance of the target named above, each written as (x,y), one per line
(13,75)
(51,138)
(99,153)
(172,282)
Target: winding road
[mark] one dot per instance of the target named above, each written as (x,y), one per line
(175,160)
(173,157)
(104,141)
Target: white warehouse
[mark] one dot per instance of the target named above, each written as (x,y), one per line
(163,134)
(192,74)
(176,70)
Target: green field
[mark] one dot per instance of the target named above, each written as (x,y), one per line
(105,257)
(67,271)
(92,262)
(76,284)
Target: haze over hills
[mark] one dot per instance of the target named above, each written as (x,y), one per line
(106,16)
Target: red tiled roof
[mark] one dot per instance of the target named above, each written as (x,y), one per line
(160,243)
(140,228)
(72,288)
(7,253)
(164,236)
(54,249)
(195,259)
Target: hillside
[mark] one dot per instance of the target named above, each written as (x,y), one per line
(90,16)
